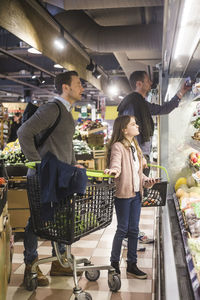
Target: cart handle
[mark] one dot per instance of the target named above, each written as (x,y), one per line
(90,173)
(97,173)
(160,167)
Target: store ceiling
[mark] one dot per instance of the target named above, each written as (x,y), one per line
(119,36)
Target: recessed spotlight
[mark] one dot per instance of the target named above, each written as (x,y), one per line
(57,66)
(90,66)
(33,76)
(41,78)
(113,90)
(34,51)
(60,43)
(96,73)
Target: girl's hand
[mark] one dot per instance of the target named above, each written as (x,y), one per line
(149,182)
(112,172)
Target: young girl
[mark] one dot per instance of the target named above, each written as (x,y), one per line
(125,161)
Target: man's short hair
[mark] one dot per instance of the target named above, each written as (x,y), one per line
(136,76)
(63,78)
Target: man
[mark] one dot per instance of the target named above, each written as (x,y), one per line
(14,127)
(59,143)
(135,104)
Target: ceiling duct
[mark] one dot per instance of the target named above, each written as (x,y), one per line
(96,4)
(145,41)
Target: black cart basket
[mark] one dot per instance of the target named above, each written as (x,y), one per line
(76,215)
(156,196)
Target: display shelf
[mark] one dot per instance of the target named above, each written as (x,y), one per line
(96,130)
(189,259)
(85,156)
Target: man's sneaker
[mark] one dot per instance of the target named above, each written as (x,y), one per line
(41,278)
(58,270)
(115,265)
(143,238)
(139,248)
(133,270)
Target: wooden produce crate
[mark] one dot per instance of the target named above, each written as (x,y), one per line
(88,164)
(5,257)
(95,140)
(18,206)
(100,159)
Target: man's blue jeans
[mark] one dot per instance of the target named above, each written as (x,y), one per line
(128,217)
(31,244)
(31,240)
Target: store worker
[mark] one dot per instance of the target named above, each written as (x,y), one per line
(136,105)
(14,127)
(125,161)
(59,143)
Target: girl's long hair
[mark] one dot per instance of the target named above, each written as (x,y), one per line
(118,136)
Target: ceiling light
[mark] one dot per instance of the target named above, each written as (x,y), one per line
(58,66)
(60,42)
(90,66)
(113,90)
(21,99)
(120,97)
(34,51)
(41,78)
(33,76)
(96,73)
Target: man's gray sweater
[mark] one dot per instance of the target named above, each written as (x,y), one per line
(59,142)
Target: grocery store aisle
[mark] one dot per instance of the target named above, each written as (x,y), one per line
(97,247)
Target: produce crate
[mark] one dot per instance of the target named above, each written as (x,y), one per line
(3,197)
(88,164)
(16,170)
(100,159)
(18,205)
(85,156)
(95,140)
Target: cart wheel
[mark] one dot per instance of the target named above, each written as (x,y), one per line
(115,283)
(31,283)
(83,296)
(92,275)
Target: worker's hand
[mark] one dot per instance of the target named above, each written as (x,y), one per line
(112,172)
(79,166)
(183,90)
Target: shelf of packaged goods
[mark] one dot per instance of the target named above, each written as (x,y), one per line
(189,259)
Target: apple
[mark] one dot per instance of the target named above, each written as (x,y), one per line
(198,154)
(194,160)
(192,155)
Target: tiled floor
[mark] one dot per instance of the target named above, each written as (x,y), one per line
(97,247)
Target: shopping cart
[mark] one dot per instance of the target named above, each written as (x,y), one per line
(74,217)
(156,196)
